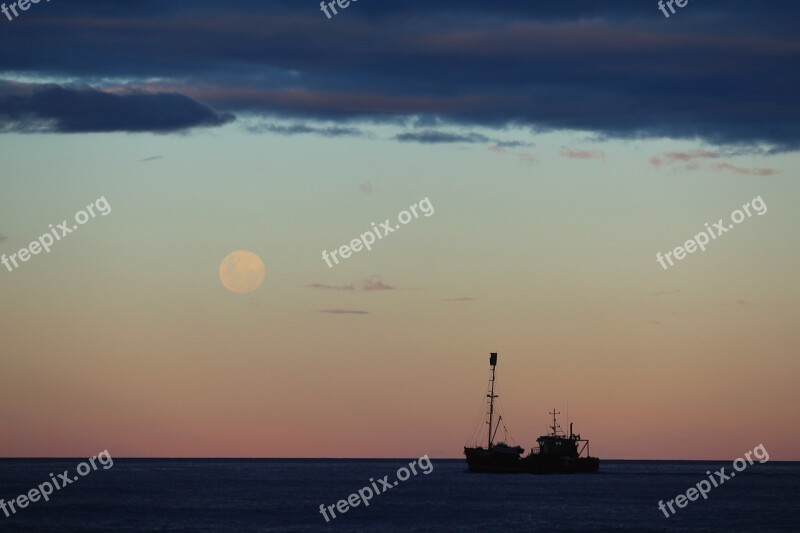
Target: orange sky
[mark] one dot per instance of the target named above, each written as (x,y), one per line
(123,337)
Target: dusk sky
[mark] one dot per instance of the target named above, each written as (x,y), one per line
(561,145)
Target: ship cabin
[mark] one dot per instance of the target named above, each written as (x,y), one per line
(558,446)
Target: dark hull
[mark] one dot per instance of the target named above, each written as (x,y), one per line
(481,461)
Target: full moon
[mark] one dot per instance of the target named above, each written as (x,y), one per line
(241,272)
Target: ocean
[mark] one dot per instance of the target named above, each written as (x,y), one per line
(208,495)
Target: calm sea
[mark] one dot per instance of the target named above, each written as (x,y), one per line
(285,495)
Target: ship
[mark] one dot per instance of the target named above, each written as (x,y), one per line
(557,453)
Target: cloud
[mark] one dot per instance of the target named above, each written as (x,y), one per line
(460,63)
(153,158)
(449,137)
(662,293)
(525,156)
(669,158)
(349,287)
(372,284)
(727,167)
(462,299)
(343,311)
(582,154)
(3,238)
(376,284)
(305,129)
(52,108)
(691,160)
(512,144)
(365,187)
(439,137)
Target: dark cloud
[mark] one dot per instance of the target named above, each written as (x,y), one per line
(344,311)
(512,144)
(52,108)
(719,70)
(445,137)
(153,158)
(462,299)
(3,238)
(437,137)
(303,129)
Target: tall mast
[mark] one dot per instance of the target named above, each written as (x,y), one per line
(491,396)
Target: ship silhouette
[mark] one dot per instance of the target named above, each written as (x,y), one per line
(557,453)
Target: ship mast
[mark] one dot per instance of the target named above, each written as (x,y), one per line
(491,396)
(555,424)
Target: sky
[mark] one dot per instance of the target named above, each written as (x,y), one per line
(562,146)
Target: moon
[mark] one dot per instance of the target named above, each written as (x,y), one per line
(242,272)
